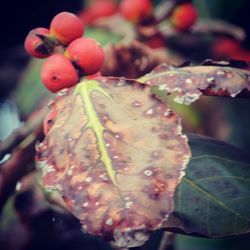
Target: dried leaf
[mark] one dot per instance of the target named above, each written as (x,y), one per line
(116,154)
(191,82)
(135,59)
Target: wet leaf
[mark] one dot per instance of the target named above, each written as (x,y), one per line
(116,154)
(191,82)
(213,197)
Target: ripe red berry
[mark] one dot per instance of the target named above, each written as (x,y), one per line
(66,27)
(156,41)
(183,16)
(87,54)
(58,73)
(48,121)
(136,10)
(225,48)
(35,46)
(242,55)
(98,9)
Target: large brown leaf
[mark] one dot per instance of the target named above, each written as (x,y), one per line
(116,154)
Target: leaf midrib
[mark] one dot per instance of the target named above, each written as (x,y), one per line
(85,89)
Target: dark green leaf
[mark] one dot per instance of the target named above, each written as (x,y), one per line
(213,198)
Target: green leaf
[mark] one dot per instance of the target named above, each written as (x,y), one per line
(104,37)
(31,93)
(213,198)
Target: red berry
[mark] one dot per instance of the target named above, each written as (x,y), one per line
(35,46)
(66,27)
(87,54)
(58,73)
(242,55)
(98,9)
(156,41)
(183,16)
(225,48)
(136,10)
(48,121)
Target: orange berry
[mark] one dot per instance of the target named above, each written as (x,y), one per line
(66,27)
(58,73)
(35,46)
(184,16)
(136,10)
(87,54)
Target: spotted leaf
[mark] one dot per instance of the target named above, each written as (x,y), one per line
(192,82)
(116,154)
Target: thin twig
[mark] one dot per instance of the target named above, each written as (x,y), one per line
(23,141)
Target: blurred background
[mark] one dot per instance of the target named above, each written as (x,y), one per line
(21,93)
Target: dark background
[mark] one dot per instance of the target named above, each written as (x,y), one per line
(19,17)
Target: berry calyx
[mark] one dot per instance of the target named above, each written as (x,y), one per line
(98,9)
(58,73)
(36,46)
(183,16)
(49,121)
(66,27)
(86,54)
(136,10)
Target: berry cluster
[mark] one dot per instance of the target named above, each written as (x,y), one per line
(70,55)
(182,17)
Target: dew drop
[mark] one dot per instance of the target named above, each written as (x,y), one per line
(188,81)
(162,87)
(121,82)
(88,179)
(155,155)
(85,204)
(136,104)
(210,79)
(117,136)
(148,172)
(220,73)
(150,112)
(18,186)
(166,113)
(109,222)
(69,172)
(128,204)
